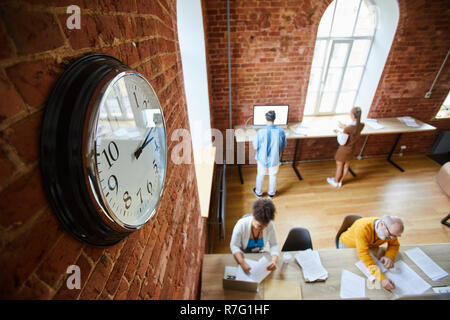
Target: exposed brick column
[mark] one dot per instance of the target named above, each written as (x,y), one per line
(160,261)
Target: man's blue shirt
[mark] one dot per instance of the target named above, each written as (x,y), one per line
(269,143)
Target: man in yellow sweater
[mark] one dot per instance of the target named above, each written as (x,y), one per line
(372,232)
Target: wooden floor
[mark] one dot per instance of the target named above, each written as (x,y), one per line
(378,189)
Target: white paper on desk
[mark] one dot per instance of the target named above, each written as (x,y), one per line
(312,268)
(373,123)
(301,129)
(258,271)
(424,262)
(406,281)
(352,285)
(410,122)
(442,289)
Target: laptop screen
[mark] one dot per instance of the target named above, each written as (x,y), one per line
(281,115)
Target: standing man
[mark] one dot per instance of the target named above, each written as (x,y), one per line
(269,143)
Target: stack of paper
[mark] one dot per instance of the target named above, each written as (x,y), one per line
(312,268)
(258,271)
(374,124)
(406,281)
(425,263)
(352,285)
(410,122)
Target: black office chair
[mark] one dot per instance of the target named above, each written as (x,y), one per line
(348,221)
(297,239)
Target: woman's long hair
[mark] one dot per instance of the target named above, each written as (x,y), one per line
(356,112)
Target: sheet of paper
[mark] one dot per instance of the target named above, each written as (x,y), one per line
(301,129)
(352,285)
(241,275)
(374,124)
(312,268)
(258,270)
(282,290)
(361,266)
(442,289)
(410,122)
(406,280)
(424,262)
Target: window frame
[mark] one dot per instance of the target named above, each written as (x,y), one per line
(325,64)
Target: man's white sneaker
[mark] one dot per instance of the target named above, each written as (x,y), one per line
(332,182)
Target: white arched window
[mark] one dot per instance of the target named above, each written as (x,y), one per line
(344,40)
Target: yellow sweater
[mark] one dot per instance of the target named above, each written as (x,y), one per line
(362,235)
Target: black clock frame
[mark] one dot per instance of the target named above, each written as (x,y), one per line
(62,150)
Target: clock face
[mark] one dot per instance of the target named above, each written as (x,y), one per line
(128,139)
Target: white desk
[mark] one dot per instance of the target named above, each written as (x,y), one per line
(333,260)
(322,127)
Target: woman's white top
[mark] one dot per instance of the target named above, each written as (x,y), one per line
(241,235)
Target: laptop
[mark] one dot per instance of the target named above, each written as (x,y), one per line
(281,115)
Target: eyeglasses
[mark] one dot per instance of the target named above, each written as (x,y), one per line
(390,235)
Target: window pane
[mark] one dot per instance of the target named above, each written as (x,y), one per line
(344,18)
(310,103)
(325,21)
(345,101)
(333,79)
(327,102)
(313,88)
(366,21)
(360,50)
(339,54)
(352,78)
(314,79)
(319,53)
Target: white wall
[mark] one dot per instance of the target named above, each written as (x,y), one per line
(388,16)
(192,47)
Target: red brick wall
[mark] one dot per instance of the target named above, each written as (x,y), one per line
(272,45)
(161,260)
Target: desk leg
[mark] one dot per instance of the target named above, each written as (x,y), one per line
(392,152)
(295,159)
(445,221)
(359,157)
(240,174)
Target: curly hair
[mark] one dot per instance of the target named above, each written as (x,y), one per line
(264,210)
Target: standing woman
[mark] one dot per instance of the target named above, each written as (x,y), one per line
(256,233)
(347,137)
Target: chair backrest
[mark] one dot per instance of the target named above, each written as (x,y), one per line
(348,221)
(297,239)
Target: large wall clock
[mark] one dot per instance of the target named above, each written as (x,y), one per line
(103,150)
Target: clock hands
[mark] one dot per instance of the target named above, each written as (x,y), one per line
(138,152)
